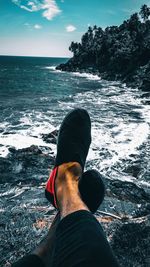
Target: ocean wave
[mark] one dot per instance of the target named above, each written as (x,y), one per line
(51,67)
(117,142)
(20,141)
(28,132)
(3,125)
(89,76)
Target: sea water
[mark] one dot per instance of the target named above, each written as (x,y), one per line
(35,97)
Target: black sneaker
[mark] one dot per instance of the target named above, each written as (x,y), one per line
(92,189)
(73,145)
(74,138)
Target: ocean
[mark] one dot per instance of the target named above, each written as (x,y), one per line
(35,97)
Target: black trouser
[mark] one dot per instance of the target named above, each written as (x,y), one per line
(80,242)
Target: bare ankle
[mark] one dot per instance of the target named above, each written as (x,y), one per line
(67,192)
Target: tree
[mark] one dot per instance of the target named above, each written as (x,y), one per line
(84,41)
(74,48)
(145,12)
(133,22)
(117,50)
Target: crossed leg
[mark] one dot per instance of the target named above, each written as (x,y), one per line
(75,239)
(78,238)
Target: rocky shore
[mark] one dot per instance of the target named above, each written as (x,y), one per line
(26,214)
(116,53)
(139,78)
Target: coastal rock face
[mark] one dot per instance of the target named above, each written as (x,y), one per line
(23,164)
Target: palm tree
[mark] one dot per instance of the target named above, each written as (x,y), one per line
(74,48)
(145,12)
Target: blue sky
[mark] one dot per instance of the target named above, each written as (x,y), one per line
(47,27)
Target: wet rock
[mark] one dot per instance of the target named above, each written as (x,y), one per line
(26,164)
(133,169)
(29,150)
(128,191)
(23,220)
(131,242)
(143,210)
(26,219)
(50,137)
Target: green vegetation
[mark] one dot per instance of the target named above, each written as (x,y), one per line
(118,52)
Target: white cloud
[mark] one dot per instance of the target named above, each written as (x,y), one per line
(31,26)
(49,7)
(25,8)
(37,27)
(70,28)
(34,6)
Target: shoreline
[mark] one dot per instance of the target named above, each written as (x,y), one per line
(134,82)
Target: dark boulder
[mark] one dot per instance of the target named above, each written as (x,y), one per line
(131,242)
(50,137)
(26,164)
(128,191)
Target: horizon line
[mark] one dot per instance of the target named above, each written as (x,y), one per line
(32,56)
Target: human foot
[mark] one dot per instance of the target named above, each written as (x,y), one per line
(66,188)
(73,144)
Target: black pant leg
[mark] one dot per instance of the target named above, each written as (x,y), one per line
(29,261)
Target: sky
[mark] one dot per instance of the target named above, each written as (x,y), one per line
(47,27)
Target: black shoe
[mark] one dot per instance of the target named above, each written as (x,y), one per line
(73,144)
(92,189)
(74,138)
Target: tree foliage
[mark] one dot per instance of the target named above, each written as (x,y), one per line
(116,48)
(145,12)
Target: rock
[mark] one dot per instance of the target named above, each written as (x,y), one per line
(131,242)
(133,169)
(128,191)
(23,211)
(12,149)
(26,164)
(143,210)
(50,137)
(26,216)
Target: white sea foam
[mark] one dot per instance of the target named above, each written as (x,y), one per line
(4,124)
(4,151)
(44,128)
(125,137)
(20,141)
(37,122)
(35,125)
(87,75)
(51,67)
(120,146)
(44,98)
(26,120)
